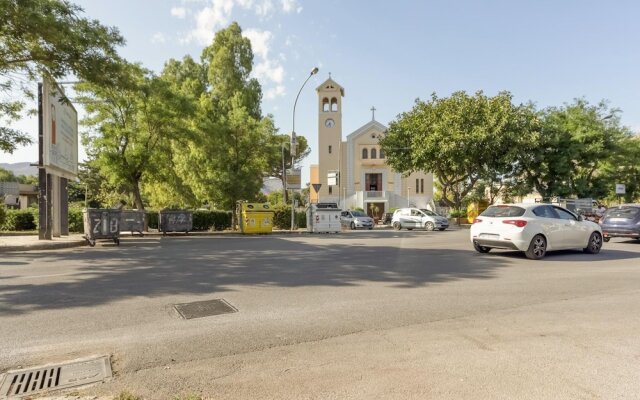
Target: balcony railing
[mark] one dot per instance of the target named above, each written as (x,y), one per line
(374,194)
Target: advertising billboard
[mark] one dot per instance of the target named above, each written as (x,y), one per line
(294,179)
(60,132)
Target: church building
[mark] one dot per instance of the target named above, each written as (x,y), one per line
(353,172)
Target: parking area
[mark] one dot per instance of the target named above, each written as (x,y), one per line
(359,314)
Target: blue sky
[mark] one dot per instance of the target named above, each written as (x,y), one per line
(386,54)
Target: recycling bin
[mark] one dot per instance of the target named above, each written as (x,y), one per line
(175,221)
(101,223)
(254,217)
(132,221)
(323,218)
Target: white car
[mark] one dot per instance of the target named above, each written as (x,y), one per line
(355,220)
(534,229)
(410,218)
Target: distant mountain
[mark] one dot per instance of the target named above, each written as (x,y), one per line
(270,185)
(21,168)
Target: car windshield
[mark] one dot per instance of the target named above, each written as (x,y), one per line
(429,212)
(623,212)
(503,211)
(358,214)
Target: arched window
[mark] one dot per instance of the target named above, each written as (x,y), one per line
(365,154)
(325,104)
(374,154)
(381,153)
(334,104)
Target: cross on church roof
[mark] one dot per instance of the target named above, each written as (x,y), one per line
(373,113)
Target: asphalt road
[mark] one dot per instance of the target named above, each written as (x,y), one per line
(367,314)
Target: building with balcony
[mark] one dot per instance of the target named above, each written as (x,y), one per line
(353,172)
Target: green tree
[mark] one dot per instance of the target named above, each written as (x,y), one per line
(461,139)
(48,38)
(569,156)
(131,128)
(7,176)
(234,145)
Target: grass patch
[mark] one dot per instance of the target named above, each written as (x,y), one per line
(125,395)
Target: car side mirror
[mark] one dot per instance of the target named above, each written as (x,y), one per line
(580,218)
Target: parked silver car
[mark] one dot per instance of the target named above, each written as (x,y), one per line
(355,220)
(411,218)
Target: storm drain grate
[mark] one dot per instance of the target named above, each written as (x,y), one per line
(25,382)
(207,308)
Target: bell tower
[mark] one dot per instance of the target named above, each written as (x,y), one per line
(329,137)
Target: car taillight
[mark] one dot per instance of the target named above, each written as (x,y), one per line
(476,220)
(517,222)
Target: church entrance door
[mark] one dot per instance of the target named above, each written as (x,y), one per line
(375,211)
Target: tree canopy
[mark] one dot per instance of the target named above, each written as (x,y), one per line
(48,38)
(461,139)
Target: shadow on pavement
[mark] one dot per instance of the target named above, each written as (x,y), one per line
(200,265)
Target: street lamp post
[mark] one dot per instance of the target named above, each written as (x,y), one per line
(408,198)
(294,141)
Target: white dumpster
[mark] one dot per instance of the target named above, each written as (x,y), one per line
(323,218)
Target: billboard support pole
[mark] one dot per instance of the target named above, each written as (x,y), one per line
(44,233)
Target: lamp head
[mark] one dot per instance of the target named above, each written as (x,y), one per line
(314,70)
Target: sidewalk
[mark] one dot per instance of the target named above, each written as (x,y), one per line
(30,242)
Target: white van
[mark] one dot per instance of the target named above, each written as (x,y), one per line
(411,218)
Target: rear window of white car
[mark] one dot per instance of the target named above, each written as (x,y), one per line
(503,211)
(623,212)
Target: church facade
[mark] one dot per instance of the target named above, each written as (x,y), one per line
(353,172)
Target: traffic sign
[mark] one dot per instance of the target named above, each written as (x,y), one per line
(316,187)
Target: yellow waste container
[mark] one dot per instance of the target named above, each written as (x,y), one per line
(475,209)
(254,217)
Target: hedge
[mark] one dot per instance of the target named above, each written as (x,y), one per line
(282,217)
(3,214)
(20,220)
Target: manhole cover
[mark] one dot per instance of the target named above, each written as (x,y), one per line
(25,382)
(207,308)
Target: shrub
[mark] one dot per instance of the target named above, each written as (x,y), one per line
(76,220)
(204,220)
(282,216)
(152,219)
(3,214)
(20,220)
(462,213)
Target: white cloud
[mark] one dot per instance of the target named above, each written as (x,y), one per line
(216,14)
(290,6)
(246,4)
(264,8)
(259,41)
(179,12)
(158,37)
(277,91)
(210,19)
(269,70)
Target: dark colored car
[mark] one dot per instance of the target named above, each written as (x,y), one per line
(621,221)
(386,218)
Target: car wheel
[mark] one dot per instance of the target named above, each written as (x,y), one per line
(397,226)
(606,239)
(481,249)
(429,226)
(594,245)
(537,248)
(353,226)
